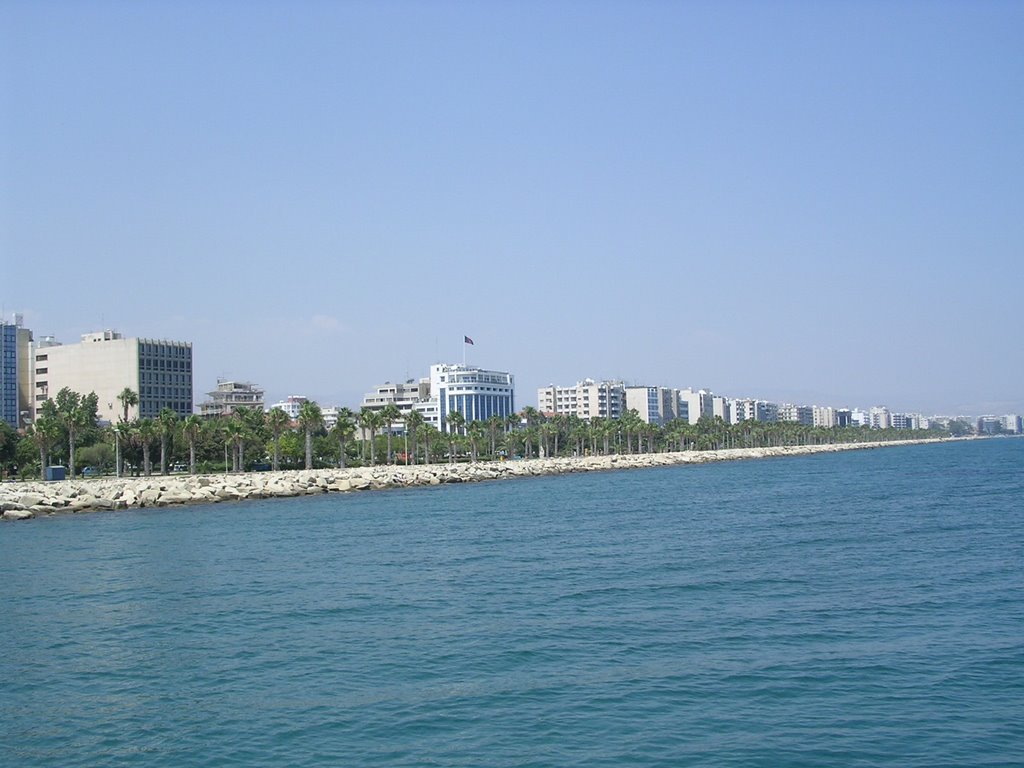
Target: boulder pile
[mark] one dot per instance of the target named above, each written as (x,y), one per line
(25,500)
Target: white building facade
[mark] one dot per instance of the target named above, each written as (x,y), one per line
(476,393)
(587,399)
(655,405)
(105,362)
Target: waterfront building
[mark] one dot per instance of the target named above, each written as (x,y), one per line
(859,418)
(586,399)
(330,416)
(229,396)
(404,396)
(989,425)
(879,417)
(474,392)
(105,362)
(843,417)
(747,409)
(721,408)
(654,405)
(1012,423)
(824,416)
(15,373)
(291,405)
(693,405)
(802,414)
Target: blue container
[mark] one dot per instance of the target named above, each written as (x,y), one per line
(54,473)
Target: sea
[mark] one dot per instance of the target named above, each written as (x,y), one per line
(855,609)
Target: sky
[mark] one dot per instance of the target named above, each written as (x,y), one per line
(809,202)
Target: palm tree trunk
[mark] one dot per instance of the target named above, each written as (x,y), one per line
(309,449)
(192,457)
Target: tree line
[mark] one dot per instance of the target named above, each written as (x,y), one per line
(67,433)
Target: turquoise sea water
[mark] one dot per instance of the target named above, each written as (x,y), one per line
(864,608)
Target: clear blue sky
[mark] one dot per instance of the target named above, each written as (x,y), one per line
(810,202)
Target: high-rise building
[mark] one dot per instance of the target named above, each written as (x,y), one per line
(15,373)
(230,396)
(753,410)
(106,363)
(655,405)
(587,399)
(879,417)
(693,405)
(476,393)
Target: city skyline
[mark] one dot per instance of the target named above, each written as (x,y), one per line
(802,204)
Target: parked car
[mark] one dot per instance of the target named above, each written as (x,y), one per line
(91,472)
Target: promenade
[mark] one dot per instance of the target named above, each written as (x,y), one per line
(26,500)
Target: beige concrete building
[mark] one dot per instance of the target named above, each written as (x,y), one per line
(105,363)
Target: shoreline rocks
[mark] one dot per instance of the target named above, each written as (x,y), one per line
(24,500)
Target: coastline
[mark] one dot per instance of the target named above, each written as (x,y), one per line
(23,500)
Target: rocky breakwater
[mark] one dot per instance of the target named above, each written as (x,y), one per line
(26,500)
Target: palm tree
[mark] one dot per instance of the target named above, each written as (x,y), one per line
(342,430)
(278,421)
(167,424)
(311,418)
(75,412)
(191,428)
(128,398)
(512,423)
(389,415)
(477,431)
(370,420)
(146,431)
(456,421)
(234,429)
(413,423)
(44,434)
(494,425)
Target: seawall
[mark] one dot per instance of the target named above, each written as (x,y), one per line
(25,500)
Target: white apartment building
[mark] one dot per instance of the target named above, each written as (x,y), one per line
(693,405)
(587,399)
(476,393)
(747,409)
(1011,423)
(802,414)
(824,416)
(721,408)
(860,418)
(229,396)
(291,405)
(655,405)
(879,417)
(403,396)
(105,363)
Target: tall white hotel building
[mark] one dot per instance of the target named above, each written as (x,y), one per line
(475,393)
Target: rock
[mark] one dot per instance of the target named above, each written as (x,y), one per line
(18,514)
(30,499)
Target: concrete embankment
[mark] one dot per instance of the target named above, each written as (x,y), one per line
(25,500)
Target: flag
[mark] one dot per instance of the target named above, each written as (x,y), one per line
(468,340)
